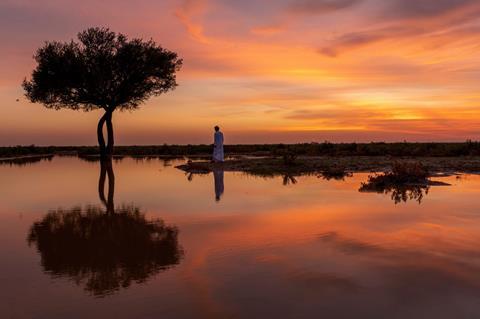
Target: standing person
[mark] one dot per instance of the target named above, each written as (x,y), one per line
(217,145)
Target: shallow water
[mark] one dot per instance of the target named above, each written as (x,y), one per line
(228,245)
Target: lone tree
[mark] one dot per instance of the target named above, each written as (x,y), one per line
(104,70)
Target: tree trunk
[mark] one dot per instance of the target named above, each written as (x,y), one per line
(101,139)
(110,134)
(106,149)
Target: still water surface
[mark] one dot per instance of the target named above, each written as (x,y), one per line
(162,244)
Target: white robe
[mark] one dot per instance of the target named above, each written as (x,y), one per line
(218,147)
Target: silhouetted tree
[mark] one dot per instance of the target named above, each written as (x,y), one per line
(104,70)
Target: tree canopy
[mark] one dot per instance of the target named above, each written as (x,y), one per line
(103,69)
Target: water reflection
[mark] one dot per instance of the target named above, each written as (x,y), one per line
(190,175)
(95,158)
(218,175)
(218,181)
(335,173)
(398,193)
(267,251)
(105,248)
(26,160)
(106,170)
(289,179)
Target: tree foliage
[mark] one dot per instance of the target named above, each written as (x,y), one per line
(103,69)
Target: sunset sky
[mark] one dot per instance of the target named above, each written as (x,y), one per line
(265,71)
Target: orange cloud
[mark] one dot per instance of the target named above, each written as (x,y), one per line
(270,71)
(187,12)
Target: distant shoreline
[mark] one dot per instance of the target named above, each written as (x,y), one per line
(469,148)
(271,160)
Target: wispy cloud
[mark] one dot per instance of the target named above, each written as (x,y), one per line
(353,40)
(275,70)
(427,8)
(187,12)
(320,6)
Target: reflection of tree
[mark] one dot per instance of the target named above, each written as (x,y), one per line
(106,170)
(399,193)
(405,193)
(289,179)
(105,249)
(335,173)
(406,181)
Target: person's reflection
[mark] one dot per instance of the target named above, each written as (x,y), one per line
(218,175)
(105,249)
(218,181)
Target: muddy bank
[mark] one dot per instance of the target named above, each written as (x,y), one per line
(332,165)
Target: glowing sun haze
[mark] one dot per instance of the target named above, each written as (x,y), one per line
(266,71)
